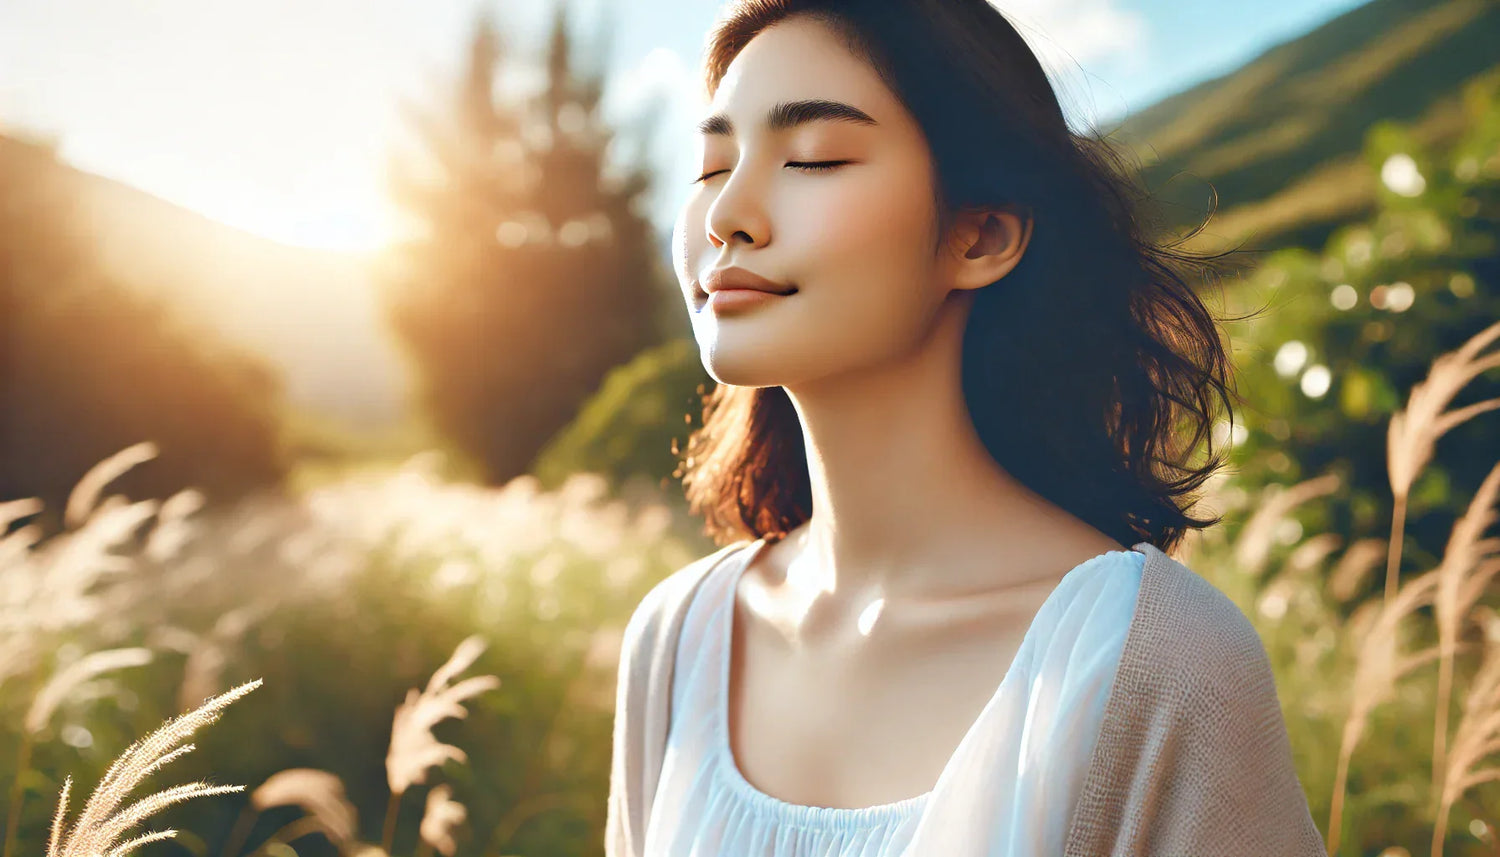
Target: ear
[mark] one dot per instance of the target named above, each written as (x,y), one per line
(987,244)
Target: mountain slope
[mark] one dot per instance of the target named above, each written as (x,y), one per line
(1278,139)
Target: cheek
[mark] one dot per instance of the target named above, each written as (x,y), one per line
(868,230)
(863,245)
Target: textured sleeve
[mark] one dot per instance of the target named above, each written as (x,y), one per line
(1229,783)
(1198,760)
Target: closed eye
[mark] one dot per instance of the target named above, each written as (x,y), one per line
(811,166)
(815,165)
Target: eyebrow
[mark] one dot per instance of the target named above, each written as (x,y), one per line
(789,114)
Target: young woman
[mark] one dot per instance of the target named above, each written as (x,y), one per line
(945,455)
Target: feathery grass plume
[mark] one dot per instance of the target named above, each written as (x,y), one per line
(71,581)
(70,677)
(15,546)
(85,552)
(319,793)
(85,494)
(440,819)
(98,826)
(1378,666)
(1478,733)
(1253,546)
(15,510)
(1469,561)
(1356,562)
(58,688)
(414,750)
(1287,585)
(207,656)
(173,529)
(1414,431)
(1312,552)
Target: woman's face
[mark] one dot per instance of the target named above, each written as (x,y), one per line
(855,240)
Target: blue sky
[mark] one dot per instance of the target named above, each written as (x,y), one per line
(279,116)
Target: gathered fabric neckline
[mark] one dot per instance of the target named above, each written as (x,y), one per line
(808,815)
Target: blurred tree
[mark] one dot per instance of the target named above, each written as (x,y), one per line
(535,273)
(1360,323)
(89,366)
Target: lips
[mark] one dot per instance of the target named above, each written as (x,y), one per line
(720,279)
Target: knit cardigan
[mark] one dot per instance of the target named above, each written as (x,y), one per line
(1192,758)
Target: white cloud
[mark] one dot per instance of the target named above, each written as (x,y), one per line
(1070,37)
(1076,31)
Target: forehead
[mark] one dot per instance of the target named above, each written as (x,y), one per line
(797,59)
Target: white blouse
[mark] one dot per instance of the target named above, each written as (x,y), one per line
(1041,725)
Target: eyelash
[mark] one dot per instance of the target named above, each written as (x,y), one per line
(813,166)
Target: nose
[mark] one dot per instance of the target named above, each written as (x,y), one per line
(738,213)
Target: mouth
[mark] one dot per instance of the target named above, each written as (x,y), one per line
(701,296)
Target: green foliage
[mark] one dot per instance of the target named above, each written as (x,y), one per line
(1355,326)
(637,421)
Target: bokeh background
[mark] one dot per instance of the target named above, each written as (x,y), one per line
(342,352)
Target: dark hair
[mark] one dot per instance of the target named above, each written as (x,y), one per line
(1078,366)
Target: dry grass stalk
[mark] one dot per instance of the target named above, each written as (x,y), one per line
(209,653)
(19,543)
(84,497)
(1310,555)
(1469,561)
(440,819)
(319,793)
(99,825)
(1378,666)
(1299,565)
(15,510)
(1253,546)
(45,704)
(1356,562)
(64,583)
(173,529)
(69,678)
(414,749)
(1414,432)
(1478,733)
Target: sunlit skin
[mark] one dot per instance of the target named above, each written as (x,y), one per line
(887,620)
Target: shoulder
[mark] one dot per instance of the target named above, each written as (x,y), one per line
(1189,632)
(1193,756)
(660,610)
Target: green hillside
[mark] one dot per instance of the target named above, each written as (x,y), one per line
(1277,140)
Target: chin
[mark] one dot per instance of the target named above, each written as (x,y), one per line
(744,365)
(737,373)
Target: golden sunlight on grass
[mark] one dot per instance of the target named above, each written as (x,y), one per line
(414,751)
(100,825)
(1416,429)
(551,577)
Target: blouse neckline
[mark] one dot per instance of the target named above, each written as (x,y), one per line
(805,815)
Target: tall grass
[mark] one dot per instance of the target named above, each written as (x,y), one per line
(82,612)
(98,828)
(552,576)
(413,753)
(1453,588)
(1414,430)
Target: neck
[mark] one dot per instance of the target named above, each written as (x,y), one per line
(906,499)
